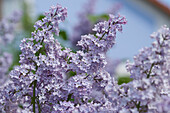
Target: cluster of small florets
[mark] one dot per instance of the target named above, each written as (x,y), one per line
(5,62)
(85,26)
(150,73)
(43,83)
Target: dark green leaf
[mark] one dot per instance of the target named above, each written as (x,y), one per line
(124,79)
(63,35)
(40,17)
(95,18)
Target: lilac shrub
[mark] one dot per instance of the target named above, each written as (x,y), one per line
(42,81)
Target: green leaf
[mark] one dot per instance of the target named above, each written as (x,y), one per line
(40,17)
(96,18)
(20,106)
(69,97)
(16,58)
(90,100)
(27,21)
(63,35)
(124,79)
(71,73)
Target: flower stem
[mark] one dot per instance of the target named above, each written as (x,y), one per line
(39,107)
(34,97)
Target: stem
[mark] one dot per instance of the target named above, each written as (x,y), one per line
(148,75)
(108,29)
(138,106)
(39,107)
(34,97)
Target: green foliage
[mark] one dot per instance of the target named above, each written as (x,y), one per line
(71,73)
(21,106)
(40,17)
(69,97)
(124,79)
(15,62)
(96,18)
(63,35)
(27,21)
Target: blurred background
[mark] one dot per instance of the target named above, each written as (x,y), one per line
(144,17)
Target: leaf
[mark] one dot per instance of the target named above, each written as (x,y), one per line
(27,21)
(16,58)
(124,79)
(20,106)
(40,17)
(95,18)
(71,73)
(63,35)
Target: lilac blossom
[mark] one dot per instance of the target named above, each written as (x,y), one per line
(163,105)
(7,27)
(34,63)
(41,83)
(150,73)
(85,26)
(5,62)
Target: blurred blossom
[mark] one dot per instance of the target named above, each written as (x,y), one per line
(7,27)
(111,66)
(84,25)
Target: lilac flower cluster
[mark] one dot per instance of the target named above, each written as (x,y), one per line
(85,26)
(151,76)
(41,82)
(5,62)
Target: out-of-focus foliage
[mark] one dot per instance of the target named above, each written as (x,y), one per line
(27,21)
(97,18)
(63,35)
(124,79)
